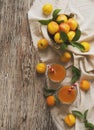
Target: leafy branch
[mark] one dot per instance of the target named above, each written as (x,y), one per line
(76,74)
(45,22)
(48,91)
(77,45)
(77,35)
(83,117)
(55,13)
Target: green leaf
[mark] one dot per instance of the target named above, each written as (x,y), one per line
(45,94)
(78,45)
(50,90)
(74,79)
(85,114)
(63,46)
(64,36)
(77,35)
(59,22)
(76,74)
(55,13)
(75,70)
(89,125)
(56,99)
(77,114)
(45,22)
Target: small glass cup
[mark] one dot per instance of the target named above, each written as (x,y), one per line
(56,73)
(67,94)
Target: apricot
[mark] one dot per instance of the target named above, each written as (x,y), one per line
(50,100)
(47,9)
(42,44)
(72,23)
(70,119)
(57,38)
(64,27)
(53,27)
(71,35)
(62,17)
(86,46)
(66,57)
(41,68)
(85,85)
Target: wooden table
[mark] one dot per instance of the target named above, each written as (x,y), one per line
(22,105)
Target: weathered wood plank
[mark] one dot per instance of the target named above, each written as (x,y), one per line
(22,106)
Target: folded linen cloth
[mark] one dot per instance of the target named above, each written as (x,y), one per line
(83,11)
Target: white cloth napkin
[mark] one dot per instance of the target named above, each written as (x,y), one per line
(83,10)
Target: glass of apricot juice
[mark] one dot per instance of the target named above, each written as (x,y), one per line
(67,94)
(56,73)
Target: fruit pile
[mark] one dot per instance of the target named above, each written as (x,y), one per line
(62,24)
(63,29)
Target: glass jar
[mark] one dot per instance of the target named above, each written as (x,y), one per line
(67,93)
(56,73)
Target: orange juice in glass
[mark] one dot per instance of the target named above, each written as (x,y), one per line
(56,73)
(67,94)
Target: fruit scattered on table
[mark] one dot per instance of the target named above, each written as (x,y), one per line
(70,119)
(47,9)
(84,85)
(66,56)
(42,44)
(50,100)
(41,68)
(86,46)
(53,27)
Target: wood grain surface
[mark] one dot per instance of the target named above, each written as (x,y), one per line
(22,105)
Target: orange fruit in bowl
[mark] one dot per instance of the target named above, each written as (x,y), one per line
(47,9)
(53,27)
(70,119)
(57,38)
(71,35)
(84,85)
(72,23)
(62,17)
(64,27)
(42,44)
(50,100)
